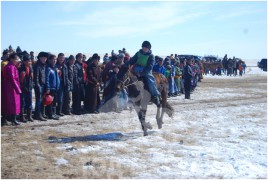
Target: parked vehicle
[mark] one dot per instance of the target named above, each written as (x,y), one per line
(263,64)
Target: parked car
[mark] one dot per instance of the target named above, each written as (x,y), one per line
(211,59)
(263,64)
(184,56)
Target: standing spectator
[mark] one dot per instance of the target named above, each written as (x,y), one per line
(168,76)
(78,85)
(241,69)
(106,58)
(4,62)
(182,65)
(159,68)
(85,95)
(39,79)
(26,81)
(94,80)
(11,89)
(187,75)
(177,78)
(68,94)
(244,67)
(32,57)
(64,82)
(10,49)
(18,50)
(52,86)
(5,55)
(194,79)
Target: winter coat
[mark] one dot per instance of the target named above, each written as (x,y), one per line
(178,72)
(93,74)
(39,76)
(158,69)
(187,73)
(63,75)
(11,90)
(52,78)
(71,76)
(94,77)
(26,80)
(78,76)
(144,70)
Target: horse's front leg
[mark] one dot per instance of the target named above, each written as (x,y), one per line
(158,117)
(142,114)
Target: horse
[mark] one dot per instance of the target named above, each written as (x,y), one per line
(211,66)
(140,97)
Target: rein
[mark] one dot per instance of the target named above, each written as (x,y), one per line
(128,78)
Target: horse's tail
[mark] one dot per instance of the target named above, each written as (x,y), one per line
(169,110)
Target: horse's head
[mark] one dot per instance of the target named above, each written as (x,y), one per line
(119,85)
(122,78)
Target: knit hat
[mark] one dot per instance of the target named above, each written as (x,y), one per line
(146,44)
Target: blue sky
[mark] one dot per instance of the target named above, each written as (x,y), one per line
(216,28)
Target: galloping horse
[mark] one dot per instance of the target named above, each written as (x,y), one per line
(140,97)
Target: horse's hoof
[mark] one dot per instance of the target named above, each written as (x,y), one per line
(145,133)
(159,126)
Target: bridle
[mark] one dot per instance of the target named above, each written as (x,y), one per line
(123,83)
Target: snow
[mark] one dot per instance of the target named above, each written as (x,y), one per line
(61,161)
(222,136)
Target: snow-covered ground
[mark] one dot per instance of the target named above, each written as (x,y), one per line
(220,133)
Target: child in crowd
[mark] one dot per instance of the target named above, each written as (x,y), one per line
(26,82)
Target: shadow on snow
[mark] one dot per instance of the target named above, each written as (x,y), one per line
(114,136)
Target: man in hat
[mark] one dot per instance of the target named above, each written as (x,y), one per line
(39,79)
(143,62)
(94,80)
(187,75)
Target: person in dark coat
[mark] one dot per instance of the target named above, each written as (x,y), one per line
(26,81)
(52,86)
(11,89)
(64,82)
(106,77)
(39,78)
(94,81)
(187,75)
(68,93)
(78,84)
